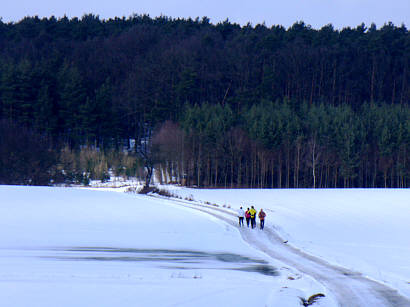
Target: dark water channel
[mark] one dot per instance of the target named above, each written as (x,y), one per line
(167,259)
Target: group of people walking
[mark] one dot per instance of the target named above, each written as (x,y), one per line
(250,216)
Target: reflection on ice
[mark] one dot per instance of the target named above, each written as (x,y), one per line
(169,259)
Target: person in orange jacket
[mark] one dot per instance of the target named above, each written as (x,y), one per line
(262,216)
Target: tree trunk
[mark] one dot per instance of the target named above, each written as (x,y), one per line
(238,180)
(148,176)
(288,166)
(272,172)
(280,170)
(216,172)
(314,162)
(297,163)
(199,166)
(232,169)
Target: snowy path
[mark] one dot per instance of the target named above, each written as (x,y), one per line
(349,288)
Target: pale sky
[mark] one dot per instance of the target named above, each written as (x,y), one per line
(317,13)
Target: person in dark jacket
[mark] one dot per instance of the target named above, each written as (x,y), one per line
(248,217)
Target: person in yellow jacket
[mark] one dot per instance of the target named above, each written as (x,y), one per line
(252,212)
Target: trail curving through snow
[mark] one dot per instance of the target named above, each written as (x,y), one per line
(349,288)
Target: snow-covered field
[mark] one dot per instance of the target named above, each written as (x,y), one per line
(366,230)
(77,247)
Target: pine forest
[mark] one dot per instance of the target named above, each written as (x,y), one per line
(202,104)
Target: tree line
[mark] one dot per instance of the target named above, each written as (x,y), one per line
(283,100)
(274,145)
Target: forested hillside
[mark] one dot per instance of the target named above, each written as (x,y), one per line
(210,105)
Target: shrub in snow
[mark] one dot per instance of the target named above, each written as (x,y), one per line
(146,190)
(190,198)
(312,299)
